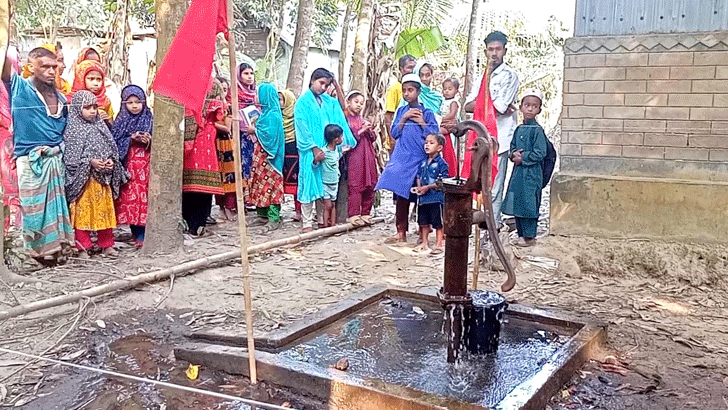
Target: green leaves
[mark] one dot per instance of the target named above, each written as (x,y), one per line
(420,41)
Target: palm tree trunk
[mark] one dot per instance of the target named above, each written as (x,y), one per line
(472,51)
(163,234)
(361,47)
(304,29)
(344,41)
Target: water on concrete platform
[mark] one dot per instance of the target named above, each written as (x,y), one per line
(400,341)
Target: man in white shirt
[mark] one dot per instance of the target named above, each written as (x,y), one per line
(504,93)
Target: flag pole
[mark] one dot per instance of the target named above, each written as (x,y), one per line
(242,228)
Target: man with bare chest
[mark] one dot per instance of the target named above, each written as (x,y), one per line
(39,118)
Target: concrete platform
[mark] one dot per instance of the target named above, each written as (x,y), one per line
(346,391)
(639,207)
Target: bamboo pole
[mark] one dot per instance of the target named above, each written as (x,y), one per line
(179,270)
(242,228)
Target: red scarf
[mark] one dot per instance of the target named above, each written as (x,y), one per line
(485,114)
(79,82)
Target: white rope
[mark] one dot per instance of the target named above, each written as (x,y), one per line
(145,380)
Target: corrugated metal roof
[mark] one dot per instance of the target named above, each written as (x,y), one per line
(625,17)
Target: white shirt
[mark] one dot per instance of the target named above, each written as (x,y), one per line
(504,92)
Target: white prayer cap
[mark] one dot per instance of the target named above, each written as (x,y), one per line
(412,78)
(532,92)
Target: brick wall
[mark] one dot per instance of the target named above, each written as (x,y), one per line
(647,105)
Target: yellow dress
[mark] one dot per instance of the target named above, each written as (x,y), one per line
(94,209)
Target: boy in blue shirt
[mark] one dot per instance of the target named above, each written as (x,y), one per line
(330,172)
(431,200)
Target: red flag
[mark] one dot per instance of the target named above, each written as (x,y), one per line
(485,113)
(186,70)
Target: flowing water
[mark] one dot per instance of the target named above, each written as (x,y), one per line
(400,341)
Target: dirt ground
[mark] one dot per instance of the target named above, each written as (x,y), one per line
(664,303)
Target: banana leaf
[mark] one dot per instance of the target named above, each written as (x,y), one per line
(420,41)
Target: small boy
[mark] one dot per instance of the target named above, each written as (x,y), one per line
(330,172)
(528,150)
(429,211)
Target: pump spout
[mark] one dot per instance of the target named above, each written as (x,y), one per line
(483,150)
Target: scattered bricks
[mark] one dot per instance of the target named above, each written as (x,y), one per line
(648,73)
(604,99)
(671,59)
(719,155)
(585,86)
(574,74)
(626,59)
(605,73)
(690,100)
(718,127)
(720,100)
(666,140)
(623,138)
(667,113)
(688,126)
(587,60)
(624,112)
(580,111)
(708,114)
(570,150)
(583,137)
(710,57)
(692,154)
(669,86)
(573,99)
(644,152)
(708,141)
(645,125)
(602,124)
(601,151)
(692,73)
(631,86)
(646,100)
(721,72)
(568,124)
(710,86)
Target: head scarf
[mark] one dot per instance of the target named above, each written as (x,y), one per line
(289,102)
(79,82)
(269,127)
(87,140)
(83,54)
(127,123)
(246,93)
(430,98)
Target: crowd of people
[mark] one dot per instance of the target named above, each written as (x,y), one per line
(84,169)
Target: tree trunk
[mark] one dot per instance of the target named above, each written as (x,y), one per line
(358,73)
(164,220)
(304,29)
(116,50)
(342,49)
(471,57)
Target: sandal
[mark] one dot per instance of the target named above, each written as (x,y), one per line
(367,219)
(437,250)
(395,239)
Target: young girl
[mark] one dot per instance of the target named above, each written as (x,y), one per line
(330,173)
(94,174)
(450,117)
(132,132)
(246,97)
(90,76)
(290,163)
(227,201)
(362,162)
(266,179)
(201,174)
(412,124)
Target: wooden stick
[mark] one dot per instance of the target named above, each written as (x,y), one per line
(476,256)
(242,228)
(179,270)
